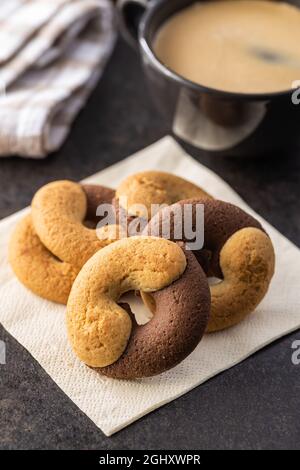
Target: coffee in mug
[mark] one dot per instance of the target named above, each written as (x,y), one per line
(245,46)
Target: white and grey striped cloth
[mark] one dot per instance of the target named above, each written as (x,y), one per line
(52,53)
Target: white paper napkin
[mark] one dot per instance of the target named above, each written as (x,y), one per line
(39,325)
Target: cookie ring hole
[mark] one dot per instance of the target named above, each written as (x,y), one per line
(136,308)
(213,281)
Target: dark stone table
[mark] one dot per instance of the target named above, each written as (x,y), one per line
(252,405)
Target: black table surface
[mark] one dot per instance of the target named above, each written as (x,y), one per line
(254,405)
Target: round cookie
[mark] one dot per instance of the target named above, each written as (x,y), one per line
(244,272)
(59,210)
(139,191)
(36,267)
(103,334)
(221,220)
(181,312)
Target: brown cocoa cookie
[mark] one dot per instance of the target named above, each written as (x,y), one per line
(223,222)
(141,190)
(96,195)
(37,268)
(181,313)
(59,210)
(100,329)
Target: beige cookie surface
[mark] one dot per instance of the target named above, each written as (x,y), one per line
(99,328)
(154,187)
(247,261)
(36,267)
(58,212)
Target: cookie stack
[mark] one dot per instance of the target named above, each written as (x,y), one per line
(71,250)
(50,245)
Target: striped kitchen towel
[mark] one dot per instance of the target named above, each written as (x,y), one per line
(52,55)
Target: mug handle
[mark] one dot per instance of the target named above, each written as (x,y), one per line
(129,13)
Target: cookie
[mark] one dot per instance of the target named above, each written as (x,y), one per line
(36,267)
(236,250)
(247,262)
(59,210)
(102,332)
(139,191)
(181,312)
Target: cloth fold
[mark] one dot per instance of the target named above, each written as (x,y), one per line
(52,54)
(39,325)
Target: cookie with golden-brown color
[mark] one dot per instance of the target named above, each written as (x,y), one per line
(247,262)
(102,332)
(181,313)
(140,190)
(98,327)
(59,210)
(36,267)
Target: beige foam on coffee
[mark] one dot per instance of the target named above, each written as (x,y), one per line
(248,46)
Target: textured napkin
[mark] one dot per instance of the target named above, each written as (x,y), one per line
(39,325)
(52,55)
